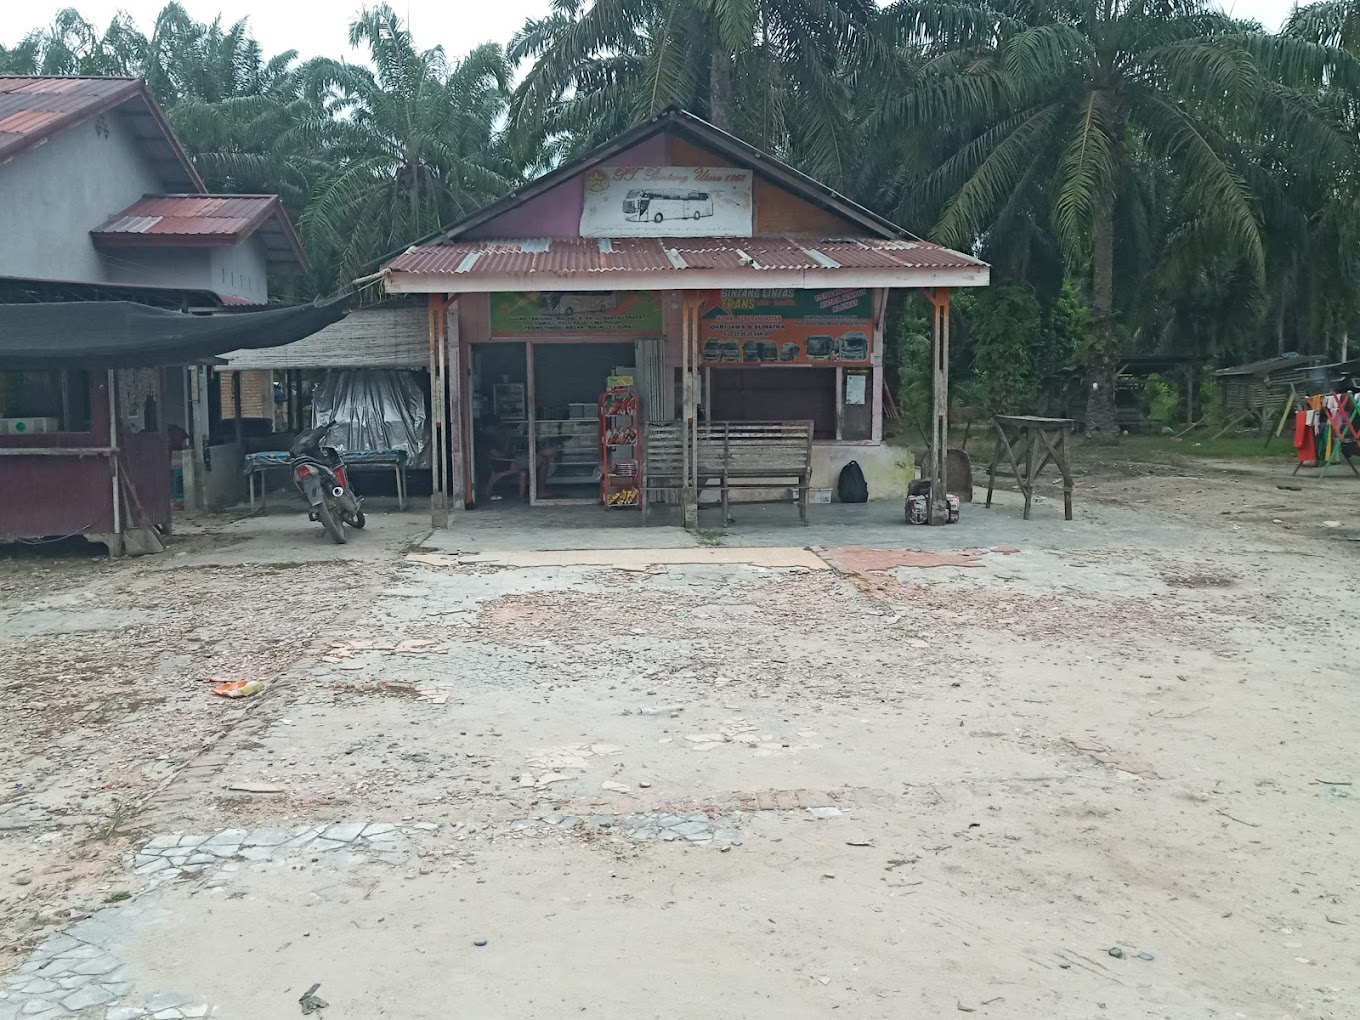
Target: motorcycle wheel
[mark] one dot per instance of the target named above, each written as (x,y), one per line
(335,527)
(359,520)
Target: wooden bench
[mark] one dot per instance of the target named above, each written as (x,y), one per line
(731,455)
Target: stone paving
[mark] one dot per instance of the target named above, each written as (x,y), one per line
(173,855)
(644,826)
(77,973)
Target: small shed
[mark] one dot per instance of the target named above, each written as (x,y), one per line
(1259,390)
(89,454)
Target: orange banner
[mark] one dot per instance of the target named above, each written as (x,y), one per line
(786,327)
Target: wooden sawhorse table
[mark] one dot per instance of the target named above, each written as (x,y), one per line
(1022,434)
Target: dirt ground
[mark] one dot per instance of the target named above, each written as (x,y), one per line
(1029,770)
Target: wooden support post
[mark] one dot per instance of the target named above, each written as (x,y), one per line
(689,411)
(939,429)
(455,374)
(439,403)
(116,539)
(236,408)
(189,468)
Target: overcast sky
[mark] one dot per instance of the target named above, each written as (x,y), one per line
(318,27)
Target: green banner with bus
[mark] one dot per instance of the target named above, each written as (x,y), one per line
(532,313)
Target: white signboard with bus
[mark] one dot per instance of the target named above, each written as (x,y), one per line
(667,201)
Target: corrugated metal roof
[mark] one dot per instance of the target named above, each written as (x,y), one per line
(29,104)
(590,255)
(33,110)
(395,337)
(190,215)
(204,220)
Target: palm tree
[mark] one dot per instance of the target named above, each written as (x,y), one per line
(412,142)
(1331,22)
(191,60)
(72,45)
(771,71)
(1101,119)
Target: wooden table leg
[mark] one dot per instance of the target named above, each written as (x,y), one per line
(1003,441)
(1027,486)
(1065,463)
(991,468)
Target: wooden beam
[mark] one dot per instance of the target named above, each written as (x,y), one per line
(689,412)
(439,491)
(939,430)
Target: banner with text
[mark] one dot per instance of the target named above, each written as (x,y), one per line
(575,311)
(787,327)
(667,201)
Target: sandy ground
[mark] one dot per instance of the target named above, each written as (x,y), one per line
(725,788)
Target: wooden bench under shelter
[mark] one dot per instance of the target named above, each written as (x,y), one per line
(731,455)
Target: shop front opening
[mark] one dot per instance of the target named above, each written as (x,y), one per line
(535,419)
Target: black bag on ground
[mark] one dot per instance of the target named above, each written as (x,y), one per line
(851,486)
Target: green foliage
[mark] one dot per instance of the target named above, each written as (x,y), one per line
(1214,159)
(367,157)
(1161,400)
(1005,333)
(914,390)
(772,71)
(1067,331)
(1203,168)
(411,144)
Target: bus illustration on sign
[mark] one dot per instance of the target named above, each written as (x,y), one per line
(575,302)
(659,205)
(852,346)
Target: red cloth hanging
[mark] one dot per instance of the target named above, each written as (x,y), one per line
(1303,437)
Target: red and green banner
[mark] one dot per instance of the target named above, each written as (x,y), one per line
(787,327)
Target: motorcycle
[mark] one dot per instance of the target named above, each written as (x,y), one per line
(319,474)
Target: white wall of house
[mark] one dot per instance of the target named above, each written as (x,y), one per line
(186,268)
(242,271)
(52,196)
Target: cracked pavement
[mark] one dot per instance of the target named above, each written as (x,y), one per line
(505,785)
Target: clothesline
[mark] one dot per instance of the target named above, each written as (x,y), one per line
(1327,428)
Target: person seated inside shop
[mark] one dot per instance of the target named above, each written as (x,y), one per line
(506,457)
(503,459)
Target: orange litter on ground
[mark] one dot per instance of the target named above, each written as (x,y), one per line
(239,688)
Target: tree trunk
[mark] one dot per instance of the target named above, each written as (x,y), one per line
(1101,424)
(720,88)
(1279,323)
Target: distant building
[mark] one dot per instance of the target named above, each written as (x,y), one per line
(99,202)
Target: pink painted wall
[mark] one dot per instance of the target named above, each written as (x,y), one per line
(557,212)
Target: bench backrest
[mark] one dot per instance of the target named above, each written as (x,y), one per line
(748,448)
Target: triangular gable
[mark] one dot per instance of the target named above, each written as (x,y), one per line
(34,109)
(786,201)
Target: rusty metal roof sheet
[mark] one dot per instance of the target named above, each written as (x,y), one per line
(203,221)
(33,110)
(594,256)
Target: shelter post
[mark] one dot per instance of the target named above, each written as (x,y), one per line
(116,539)
(939,429)
(439,403)
(689,317)
(454,374)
